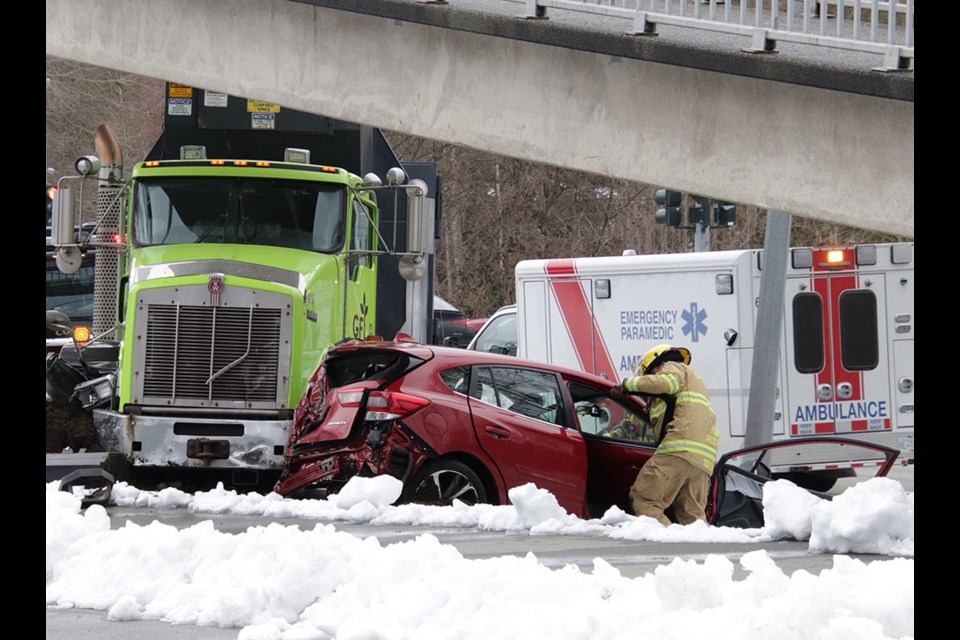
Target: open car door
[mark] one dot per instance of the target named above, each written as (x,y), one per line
(736,488)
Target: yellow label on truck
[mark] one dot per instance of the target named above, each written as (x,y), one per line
(180,91)
(256,106)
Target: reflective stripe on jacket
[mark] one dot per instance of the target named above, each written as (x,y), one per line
(692,433)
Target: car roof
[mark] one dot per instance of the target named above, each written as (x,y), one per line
(455,356)
(439,304)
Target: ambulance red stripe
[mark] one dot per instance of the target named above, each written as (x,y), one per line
(585,335)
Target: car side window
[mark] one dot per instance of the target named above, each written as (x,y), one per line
(599,414)
(457,378)
(532,393)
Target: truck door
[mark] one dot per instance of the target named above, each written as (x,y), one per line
(361,281)
(837,360)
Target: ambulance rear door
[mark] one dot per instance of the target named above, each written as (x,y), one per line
(838,361)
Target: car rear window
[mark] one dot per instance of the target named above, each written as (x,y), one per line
(356,366)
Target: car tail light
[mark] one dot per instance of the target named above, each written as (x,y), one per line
(473,325)
(383,405)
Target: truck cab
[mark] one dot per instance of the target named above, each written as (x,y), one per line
(223,279)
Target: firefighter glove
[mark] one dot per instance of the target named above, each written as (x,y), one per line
(619,392)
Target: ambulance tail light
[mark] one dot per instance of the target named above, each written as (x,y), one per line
(802,258)
(866,254)
(901,254)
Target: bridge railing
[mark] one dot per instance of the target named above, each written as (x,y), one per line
(870,26)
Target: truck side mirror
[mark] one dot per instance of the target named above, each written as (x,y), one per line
(64,213)
(419,224)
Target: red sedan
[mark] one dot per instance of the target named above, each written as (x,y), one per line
(467,425)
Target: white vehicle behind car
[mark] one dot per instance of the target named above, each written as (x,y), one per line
(846,362)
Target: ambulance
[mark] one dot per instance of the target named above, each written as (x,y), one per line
(846,361)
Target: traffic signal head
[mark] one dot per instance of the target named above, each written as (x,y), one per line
(670,213)
(669,216)
(725,214)
(51,192)
(667,197)
(700,211)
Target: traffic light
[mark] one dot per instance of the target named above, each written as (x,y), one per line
(670,213)
(700,211)
(51,191)
(725,214)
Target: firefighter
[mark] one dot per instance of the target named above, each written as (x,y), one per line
(684,423)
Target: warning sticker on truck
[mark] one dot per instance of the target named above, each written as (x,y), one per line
(262,120)
(179,106)
(262,107)
(214,99)
(180,91)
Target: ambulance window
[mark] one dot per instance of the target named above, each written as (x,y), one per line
(808,332)
(859,344)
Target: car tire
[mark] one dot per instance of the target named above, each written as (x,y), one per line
(442,481)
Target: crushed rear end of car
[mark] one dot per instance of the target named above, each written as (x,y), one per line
(350,423)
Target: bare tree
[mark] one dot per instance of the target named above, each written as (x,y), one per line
(496,210)
(80,97)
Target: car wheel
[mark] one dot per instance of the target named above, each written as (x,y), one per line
(443,481)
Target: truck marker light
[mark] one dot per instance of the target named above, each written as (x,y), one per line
(152,163)
(240,163)
(217,163)
(119,238)
(262,163)
(81,334)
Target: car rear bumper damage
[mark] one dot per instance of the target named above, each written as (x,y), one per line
(320,473)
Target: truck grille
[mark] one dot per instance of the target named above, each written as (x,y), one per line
(234,355)
(189,345)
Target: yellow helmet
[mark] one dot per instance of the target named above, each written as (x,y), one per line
(643,365)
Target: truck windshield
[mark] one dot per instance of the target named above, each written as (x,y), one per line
(280,213)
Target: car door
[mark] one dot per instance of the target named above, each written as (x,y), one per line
(522,422)
(615,453)
(736,487)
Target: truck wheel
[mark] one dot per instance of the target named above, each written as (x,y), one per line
(442,481)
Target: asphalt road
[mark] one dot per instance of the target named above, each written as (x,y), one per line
(631,558)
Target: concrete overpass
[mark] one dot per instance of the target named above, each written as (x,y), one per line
(816,135)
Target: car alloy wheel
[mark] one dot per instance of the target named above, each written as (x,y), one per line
(443,481)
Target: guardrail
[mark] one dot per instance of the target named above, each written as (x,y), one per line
(870,26)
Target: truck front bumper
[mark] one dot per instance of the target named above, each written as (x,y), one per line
(203,443)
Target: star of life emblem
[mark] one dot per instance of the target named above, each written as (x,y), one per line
(215,287)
